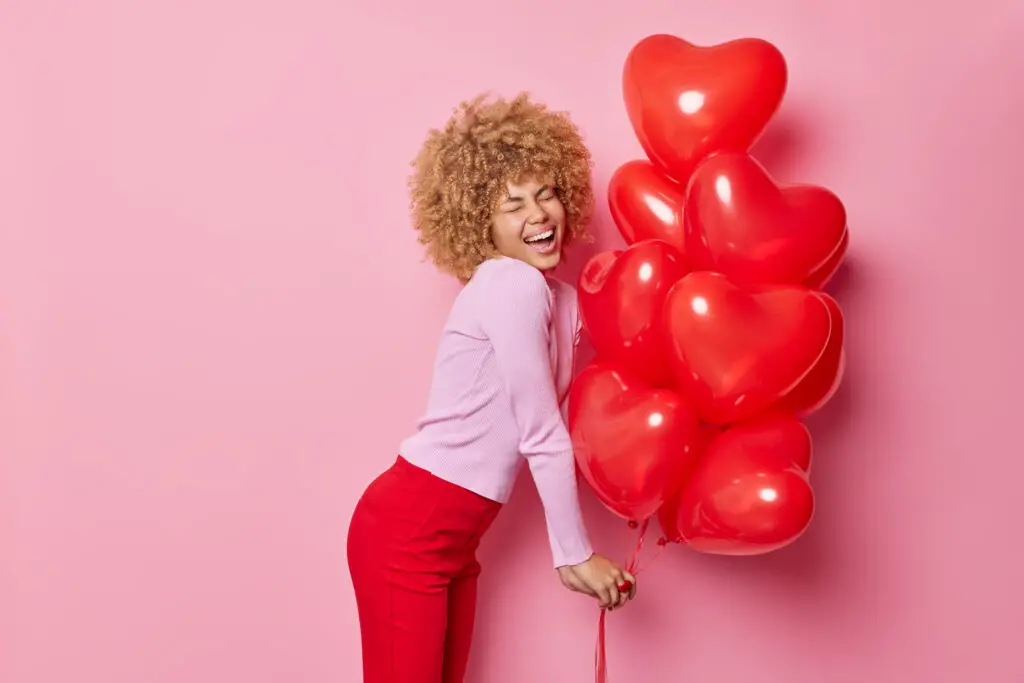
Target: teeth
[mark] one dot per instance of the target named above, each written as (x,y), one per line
(542,236)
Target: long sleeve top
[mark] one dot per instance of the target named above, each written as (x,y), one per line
(501,377)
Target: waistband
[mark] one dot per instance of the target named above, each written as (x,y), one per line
(427,478)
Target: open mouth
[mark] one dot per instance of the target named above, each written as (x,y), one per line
(543,242)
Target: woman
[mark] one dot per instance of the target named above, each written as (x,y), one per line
(496,195)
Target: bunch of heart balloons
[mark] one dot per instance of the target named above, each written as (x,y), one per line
(712,334)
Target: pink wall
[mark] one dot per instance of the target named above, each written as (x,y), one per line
(204,253)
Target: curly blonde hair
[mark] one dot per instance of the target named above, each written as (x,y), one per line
(461,174)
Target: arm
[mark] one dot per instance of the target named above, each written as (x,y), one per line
(515,315)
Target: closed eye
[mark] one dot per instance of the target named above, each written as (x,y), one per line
(547,193)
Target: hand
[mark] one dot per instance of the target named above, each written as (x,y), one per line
(600,578)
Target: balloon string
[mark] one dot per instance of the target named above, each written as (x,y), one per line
(600,658)
(633,567)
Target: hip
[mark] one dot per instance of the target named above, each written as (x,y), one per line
(414,520)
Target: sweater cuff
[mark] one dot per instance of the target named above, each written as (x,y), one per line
(574,559)
(570,553)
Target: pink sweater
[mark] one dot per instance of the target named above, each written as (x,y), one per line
(501,377)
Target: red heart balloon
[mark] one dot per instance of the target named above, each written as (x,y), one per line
(646,204)
(735,351)
(668,512)
(822,382)
(740,223)
(667,520)
(621,296)
(634,445)
(823,275)
(749,493)
(686,102)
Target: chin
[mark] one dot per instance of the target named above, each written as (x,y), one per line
(552,262)
(545,261)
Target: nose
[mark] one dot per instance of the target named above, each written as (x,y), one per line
(537,213)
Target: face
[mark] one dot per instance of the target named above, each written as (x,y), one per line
(529,224)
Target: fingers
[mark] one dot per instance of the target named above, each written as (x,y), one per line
(574,583)
(604,596)
(580,587)
(614,596)
(606,581)
(632,584)
(624,587)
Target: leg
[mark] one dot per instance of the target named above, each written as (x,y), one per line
(411,553)
(461,620)
(403,633)
(403,615)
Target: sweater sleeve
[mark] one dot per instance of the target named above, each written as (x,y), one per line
(516,312)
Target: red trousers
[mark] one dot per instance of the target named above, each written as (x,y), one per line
(412,555)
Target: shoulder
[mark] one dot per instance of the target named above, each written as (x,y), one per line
(510,278)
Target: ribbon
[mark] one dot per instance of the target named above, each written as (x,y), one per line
(633,567)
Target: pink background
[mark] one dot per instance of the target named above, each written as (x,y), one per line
(216,326)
